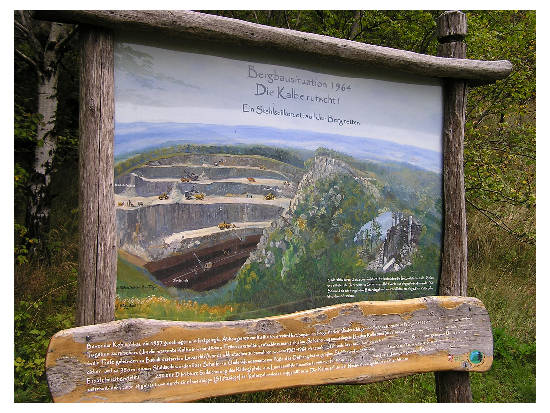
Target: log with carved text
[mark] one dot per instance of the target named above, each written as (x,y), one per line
(137,360)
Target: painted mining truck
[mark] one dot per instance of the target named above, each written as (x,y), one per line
(224,225)
(192,194)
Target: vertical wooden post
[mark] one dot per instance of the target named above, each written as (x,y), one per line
(451,27)
(97,254)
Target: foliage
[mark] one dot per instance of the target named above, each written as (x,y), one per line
(22,244)
(127,165)
(25,125)
(316,242)
(32,336)
(162,308)
(510,350)
(44,298)
(24,129)
(499,152)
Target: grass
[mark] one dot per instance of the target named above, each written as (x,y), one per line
(162,308)
(140,297)
(513,375)
(413,389)
(132,281)
(502,274)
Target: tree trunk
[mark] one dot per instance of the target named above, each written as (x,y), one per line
(39,210)
(97,258)
(355,27)
(48,76)
(453,386)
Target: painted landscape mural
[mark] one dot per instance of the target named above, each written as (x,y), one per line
(248,189)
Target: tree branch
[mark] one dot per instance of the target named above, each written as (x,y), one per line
(286,19)
(506,199)
(520,237)
(60,46)
(509,152)
(354,31)
(297,20)
(27,59)
(26,27)
(22,28)
(23,18)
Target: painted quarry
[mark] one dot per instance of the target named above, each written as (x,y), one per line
(188,242)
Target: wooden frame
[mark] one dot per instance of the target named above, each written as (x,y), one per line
(205,27)
(97,258)
(97,275)
(452,27)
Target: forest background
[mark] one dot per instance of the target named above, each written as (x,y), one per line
(500,174)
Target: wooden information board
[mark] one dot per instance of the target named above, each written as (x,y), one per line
(139,360)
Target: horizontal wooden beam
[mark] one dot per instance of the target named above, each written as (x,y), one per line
(138,360)
(200,26)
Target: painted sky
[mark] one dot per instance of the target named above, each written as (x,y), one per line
(162,85)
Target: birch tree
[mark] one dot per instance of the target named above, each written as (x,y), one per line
(42,46)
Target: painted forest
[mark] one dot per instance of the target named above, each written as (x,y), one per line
(500,180)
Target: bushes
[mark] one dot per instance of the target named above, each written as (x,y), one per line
(35,322)
(44,293)
(32,333)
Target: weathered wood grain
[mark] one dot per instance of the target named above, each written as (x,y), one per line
(199,26)
(452,29)
(97,253)
(138,360)
(454,264)
(451,26)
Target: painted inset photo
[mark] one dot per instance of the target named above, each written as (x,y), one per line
(247,189)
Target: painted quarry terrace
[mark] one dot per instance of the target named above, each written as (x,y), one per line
(193,220)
